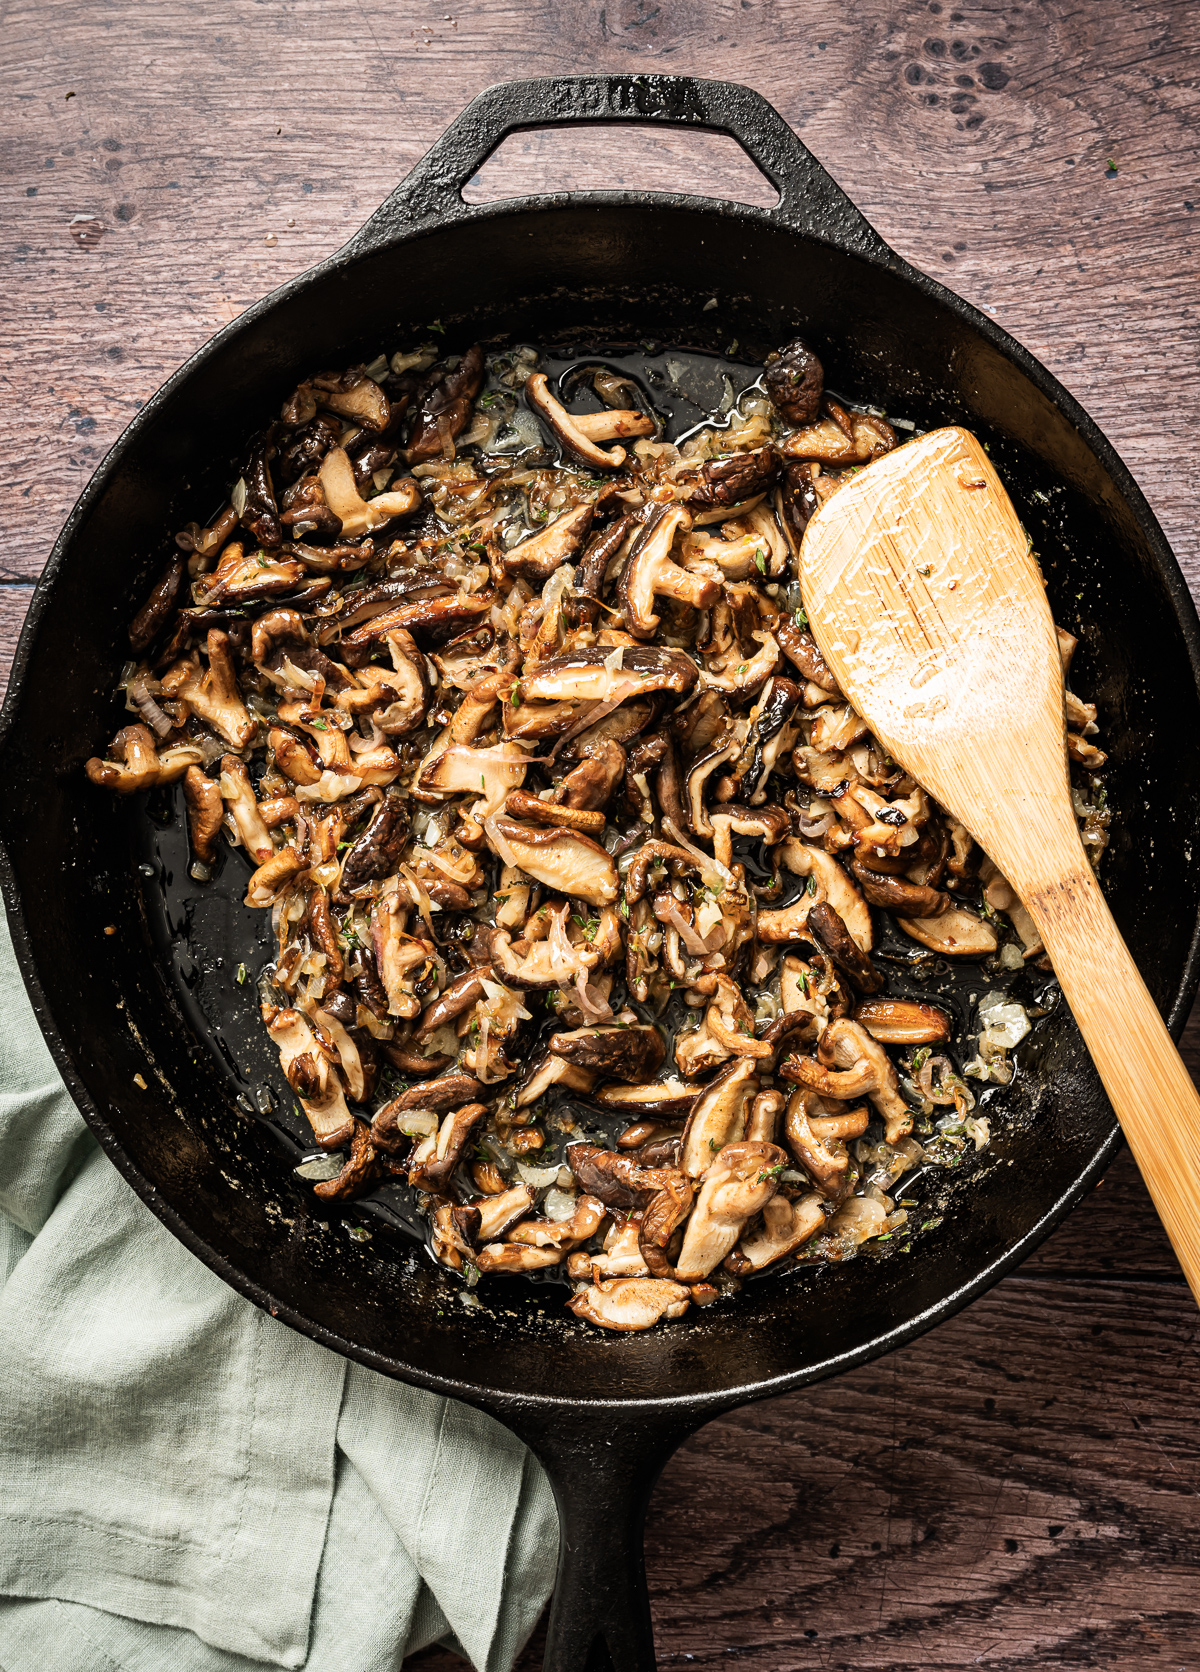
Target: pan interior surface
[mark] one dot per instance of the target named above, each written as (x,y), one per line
(203,1144)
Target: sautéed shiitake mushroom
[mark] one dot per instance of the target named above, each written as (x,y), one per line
(587,885)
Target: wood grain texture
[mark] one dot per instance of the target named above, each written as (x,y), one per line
(977,137)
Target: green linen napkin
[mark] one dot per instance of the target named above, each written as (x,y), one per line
(187,1484)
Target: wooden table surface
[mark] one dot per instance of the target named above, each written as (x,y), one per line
(1019,1487)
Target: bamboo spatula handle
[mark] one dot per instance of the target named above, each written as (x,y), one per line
(1149,1087)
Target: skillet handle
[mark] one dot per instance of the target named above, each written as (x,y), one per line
(810,200)
(602,1466)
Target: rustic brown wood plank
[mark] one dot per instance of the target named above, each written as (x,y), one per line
(197,131)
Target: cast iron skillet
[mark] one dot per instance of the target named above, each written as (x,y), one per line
(602,1412)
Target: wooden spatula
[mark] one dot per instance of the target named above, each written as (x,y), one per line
(931,613)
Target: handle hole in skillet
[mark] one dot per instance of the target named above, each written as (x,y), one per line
(609,157)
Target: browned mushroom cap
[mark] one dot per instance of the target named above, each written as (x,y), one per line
(831,935)
(629,1053)
(460,995)
(435,1097)
(562,859)
(566,427)
(722,484)
(358,515)
(592,568)
(817,1137)
(428,619)
(785,1227)
(431,1171)
(795,381)
(897,894)
(585,676)
(455,1230)
(445,408)
(618,1180)
(842,438)
(213,693)
(537,558)
(903,1021)
(956,933)
(801,650)
(630,1303)
(669,1100)
(861,1066)
(155,612)
(272,876)
(135,763)
(650,572)
(521,805)
(739,1183)
(353,394)
(358,1171)
(763,1125)
(376,853)
(663,1214)
(240,578)
(719,1115)
(205,812)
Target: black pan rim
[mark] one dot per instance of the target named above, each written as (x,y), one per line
(362,248)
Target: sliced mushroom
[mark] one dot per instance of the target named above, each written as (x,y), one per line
(816,1133)
(311,1076)
(842,438)
(632,1053)
(242,578)
(903,1021)
(429,619)
(136,764)
(956,933)
(213,692)
(562,859)
(432,1172)
(490,773)
(786,1226)
(589,1215)
(520,805)
(155,612)
(857,1220)
(722,487)
(552,1071)
(245,819)
(630,1303)
(536,558)
(272,877)
(861,1067)
(499,1212)
(650,572)
(740,1182)
(828,882)
(396,1120)
(512,1257)
(661,1218)
(356,1174)
(801,649)
(897,894)
(769,824)
(445,408)
(358,515)
(825,927)
(731,1024)
(566,428)
(584,675)
(206,810)
(765,1111)
(668,1100)
(719,1116)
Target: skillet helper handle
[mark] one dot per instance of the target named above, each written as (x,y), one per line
(1148,1085)
(602,1465)
(810,200)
